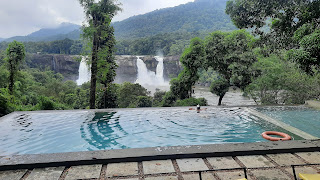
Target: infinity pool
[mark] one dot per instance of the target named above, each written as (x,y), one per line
(73,131)
(301,117)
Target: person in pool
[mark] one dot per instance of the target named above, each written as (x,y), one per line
(198,108)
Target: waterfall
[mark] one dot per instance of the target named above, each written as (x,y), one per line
(150,78)
(54,63)
(159,70)
(84,72)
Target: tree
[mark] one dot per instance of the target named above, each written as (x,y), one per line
(281,82)
(100,35)
(220,87)
(308,54)
(231,56)
(128,93)
(192,60)
(286,17)
(14,56)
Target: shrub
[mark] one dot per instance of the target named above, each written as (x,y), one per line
(191,102)
(46,103)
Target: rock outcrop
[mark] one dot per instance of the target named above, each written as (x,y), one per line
(67,65)
(172,67)
(127,70)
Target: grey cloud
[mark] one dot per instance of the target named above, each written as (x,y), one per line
(22,17)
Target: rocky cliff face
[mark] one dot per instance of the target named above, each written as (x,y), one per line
(127,69)
(64,64)
(172,67)
(68,66)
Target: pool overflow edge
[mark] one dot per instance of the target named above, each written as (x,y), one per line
(134,155)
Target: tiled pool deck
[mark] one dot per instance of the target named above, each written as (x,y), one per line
(271,160)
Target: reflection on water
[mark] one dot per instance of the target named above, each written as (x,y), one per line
(100,133)
(53,132)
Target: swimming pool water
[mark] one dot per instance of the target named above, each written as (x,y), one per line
(301,117)
(53,132)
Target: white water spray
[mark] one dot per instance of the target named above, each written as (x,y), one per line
(84,72)
(150,78)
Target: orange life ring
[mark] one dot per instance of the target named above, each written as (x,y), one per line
(285,137)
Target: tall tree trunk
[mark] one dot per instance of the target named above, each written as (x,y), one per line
(220,100)
(94,70)
(11,82)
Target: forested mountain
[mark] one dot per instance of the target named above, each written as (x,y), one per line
(201,15)
(63,31)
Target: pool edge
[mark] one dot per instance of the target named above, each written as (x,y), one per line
(156,153)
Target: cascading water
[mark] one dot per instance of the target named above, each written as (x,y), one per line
(150,78)
(84,72)
(159,70)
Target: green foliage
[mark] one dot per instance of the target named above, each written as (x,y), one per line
(207,76)
(191,102)
(99,33)
(191,17)
(169,99)
(308,55)
(167,43)
(143,101)
(45,103)
(128,93)
(220,87)
(5,106)
(192,59)
(287,17)
(65,46)
(15,54)
(4,76)
(108,97)
(281,82)
(181,86)
(231,56)
(157,98)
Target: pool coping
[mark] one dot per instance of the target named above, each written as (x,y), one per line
(137,109)
(15,162)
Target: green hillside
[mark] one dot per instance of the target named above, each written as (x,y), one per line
(201,15)
(63,31)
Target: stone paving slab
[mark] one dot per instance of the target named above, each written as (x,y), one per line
(311,157)
(204,176)
(156,167)
(223,162)
(51,173)
(194,164)
(255,161)
(122,169)
(270,174)
(303,169)
(162,178)
(285,159)
(84,172)
(12,175)
(223,175)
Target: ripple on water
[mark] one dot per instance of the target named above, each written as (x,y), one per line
(36,133)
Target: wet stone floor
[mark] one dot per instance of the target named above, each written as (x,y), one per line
(259,167)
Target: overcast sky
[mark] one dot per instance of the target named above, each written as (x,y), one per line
(22,17)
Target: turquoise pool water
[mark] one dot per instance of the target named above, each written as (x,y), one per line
(53,132)
(301,117)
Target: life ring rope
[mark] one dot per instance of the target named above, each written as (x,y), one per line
(284,136)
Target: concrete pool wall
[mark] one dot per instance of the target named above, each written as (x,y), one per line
(158,153)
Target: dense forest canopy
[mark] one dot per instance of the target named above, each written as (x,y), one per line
(201,15)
